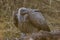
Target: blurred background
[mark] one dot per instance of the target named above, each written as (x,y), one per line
(49,8)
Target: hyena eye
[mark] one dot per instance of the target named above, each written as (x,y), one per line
(23,10)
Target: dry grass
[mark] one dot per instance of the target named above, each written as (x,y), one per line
(49,8)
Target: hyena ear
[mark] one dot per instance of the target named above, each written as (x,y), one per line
(36,10)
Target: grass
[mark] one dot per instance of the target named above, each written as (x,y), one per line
(7,28)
